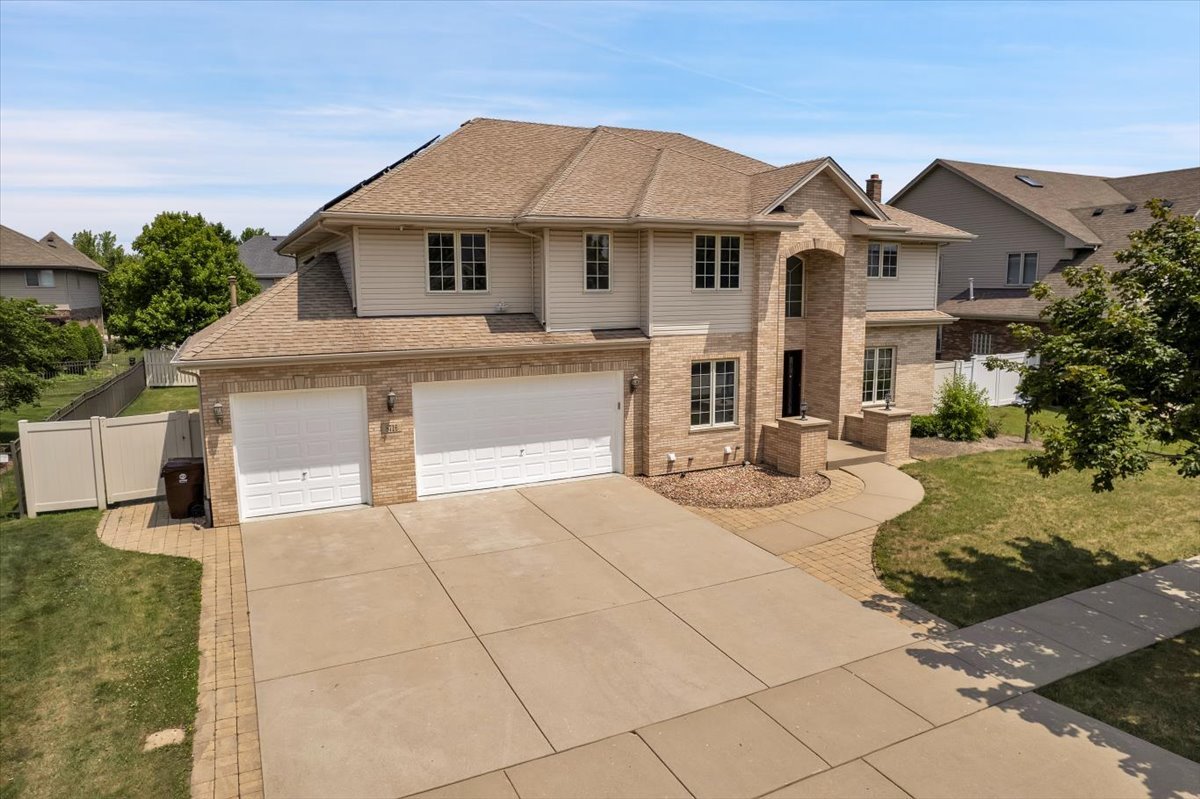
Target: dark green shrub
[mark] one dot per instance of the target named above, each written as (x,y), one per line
(95,344)
(962,410)
(992,428)
(72,343)
(924,426)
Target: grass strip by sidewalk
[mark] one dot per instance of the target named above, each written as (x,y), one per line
(992,536)
(98,649)
(1153,693)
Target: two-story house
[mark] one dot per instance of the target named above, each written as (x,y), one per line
(52,272)
(521,302)
(1031,224)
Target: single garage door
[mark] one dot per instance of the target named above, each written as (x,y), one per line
(472,434)
(300,450)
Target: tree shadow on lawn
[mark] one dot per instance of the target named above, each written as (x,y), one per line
(979,585)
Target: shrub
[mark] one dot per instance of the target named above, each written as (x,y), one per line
(962,410)
(992,428)
(924,426)
(95,344)
(72,343)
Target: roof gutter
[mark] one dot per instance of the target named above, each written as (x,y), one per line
(400,355)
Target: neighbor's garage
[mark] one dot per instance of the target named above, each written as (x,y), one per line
(472,434)
(300,450)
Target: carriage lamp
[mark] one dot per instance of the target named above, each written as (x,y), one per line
(634,382)
(391,401)
(887,401)
(803,411)
(219,412)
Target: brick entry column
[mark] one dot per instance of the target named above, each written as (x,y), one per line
(887,430)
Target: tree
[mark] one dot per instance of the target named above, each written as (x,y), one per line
(28,348)
(179,284)
(1122,358)
(104,250)
(251,232)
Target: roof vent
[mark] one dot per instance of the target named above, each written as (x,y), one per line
(1028,181)
(1129,209)
(1097,212)
(779,209)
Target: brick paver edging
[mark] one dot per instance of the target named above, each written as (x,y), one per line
(225,752)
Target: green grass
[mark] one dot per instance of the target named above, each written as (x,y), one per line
(99,649)
(1012,420)
(1153,693)
(61,391)
(992,536)
(157,400)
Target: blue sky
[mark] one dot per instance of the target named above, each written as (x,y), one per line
(256,113)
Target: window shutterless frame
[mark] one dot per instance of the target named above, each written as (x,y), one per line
(713,401)
(597,262)
(39,278)
(1021,269)
(879,374)
(883,259)
(718,262)
(456,262)
(794,288)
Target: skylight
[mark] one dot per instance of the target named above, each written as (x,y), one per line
(1028,181)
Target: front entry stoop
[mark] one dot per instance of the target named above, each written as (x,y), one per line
(840,454)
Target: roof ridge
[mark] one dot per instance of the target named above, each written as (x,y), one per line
(567,167)
(44,248)
(792,164)
(640,204)
(711,163)
(1036,169)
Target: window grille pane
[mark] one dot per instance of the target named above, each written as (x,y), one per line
(1014,268)
(441,261)
(706,262)
(868,392)
(873,253)
(701,392)
(891,258)
(731,261)
(596,267)
(474,261)
(724,392)
(795,289)
(1030,275)
(883,373)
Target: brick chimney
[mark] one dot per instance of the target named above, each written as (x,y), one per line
(875,188)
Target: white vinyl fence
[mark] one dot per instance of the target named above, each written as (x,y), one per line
(1000,385)
(90,463)
(161,373)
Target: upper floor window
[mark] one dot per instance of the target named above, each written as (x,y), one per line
(718,261)
(714,393)
(1022,268)
(794,300)
(596,262)
(457,260)
(883,258)
(878,374)
(41,278)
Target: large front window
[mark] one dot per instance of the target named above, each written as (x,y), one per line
(718,262)
(714,393)
(794,303)
(457,261)
(1022,268)
(878,372)
(39,278)
(883,259)
(596,262)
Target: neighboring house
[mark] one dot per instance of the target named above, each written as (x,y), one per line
(1031,224)
(521,302)
(259,256)
(52,272)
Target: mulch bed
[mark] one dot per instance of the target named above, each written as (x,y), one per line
(735,487)
(927,449)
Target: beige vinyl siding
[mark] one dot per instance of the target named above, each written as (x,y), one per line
(915,285)
(644,249)
(392,280)
(1001,229)
(64,295)
(678,309)
(537,266)
(344,250)
(569,307)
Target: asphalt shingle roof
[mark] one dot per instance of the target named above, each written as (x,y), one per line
(259,256)
(18,251)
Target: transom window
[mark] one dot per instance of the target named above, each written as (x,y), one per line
(794,301)
(596,262)
(883,258)
(457,261)
(718,261)
(878,373)
(1022,268)
(40,278)
(714,393)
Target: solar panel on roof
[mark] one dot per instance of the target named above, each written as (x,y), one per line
(1028,181)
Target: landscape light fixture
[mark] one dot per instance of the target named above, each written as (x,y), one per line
(219,412)
(887,401)
(803,411)
(391,401)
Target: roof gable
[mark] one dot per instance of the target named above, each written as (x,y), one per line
(18,250)
(826,166)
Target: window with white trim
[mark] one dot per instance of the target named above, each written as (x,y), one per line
(39,278)
(794,297)
(879,366)
(981,343)
(1022,268)
(456,262)
(597,262)
(883,258)
(714,393)
(718,261)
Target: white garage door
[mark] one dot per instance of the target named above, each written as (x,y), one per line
(472,434)
(300,450)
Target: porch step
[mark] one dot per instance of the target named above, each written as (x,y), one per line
(846,453)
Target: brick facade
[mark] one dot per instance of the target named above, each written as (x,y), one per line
(956,338)
(887,430)
(913,385)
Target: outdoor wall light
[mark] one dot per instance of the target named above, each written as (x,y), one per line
(219,412)
(887,401)
(391,401)
(803,411)
(634,382)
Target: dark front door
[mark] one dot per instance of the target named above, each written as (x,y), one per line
(793,369)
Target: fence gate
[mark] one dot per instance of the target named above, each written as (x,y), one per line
(161,373)
(90,463)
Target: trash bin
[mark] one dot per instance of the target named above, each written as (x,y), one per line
(184,478)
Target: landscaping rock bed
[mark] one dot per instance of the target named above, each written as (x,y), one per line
(925,449)
(735,487)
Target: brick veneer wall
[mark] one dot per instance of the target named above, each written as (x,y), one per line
(913,387)
(887,430)
(393,469)
(956,338)
(797,447)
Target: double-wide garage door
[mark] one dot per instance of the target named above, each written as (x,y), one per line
(472,434)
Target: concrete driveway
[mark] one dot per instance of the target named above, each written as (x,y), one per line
(400,649)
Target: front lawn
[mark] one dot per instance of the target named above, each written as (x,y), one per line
(1011,420)
(992,536)
(1153,693)
(61,390)
(99,649)
(157,400)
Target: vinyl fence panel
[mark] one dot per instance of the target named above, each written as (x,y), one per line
(161,373)
(136,447)
(1000,384)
